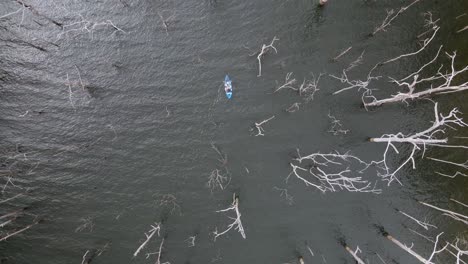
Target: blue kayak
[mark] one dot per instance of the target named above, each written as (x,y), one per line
(228,86)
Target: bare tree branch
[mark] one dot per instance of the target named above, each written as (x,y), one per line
(237,224)
(418,140)
(423,224)
(391,15)
(263,51)
(342,53)
(336,126)
(288,83)
(329,172)
(17,232)
(154,229)
(158,253)
(416,255)
(454,215)
(259,127)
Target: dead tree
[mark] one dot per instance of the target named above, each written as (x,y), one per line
(454,215)
(293,108)
(191,241)
(358,61)
(423,223)
(355,254)
(169,201)
(11,198)
(330,172)
(259,127)
(438,84)
(18,231)
(154,229)
(87,223)
(458,173)
(434,28)
(265,49)
(356,84)
(223,159)
(217,180)
(450,249)
(342,53)
(288,83)
(391,15)
(307,89)
(158,254)
(336,127)
(460,252)
(410,251)
(420,140)
(237,224)
(84,26)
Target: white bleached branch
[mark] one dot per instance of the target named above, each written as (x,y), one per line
(419,140)
(237,224)
(426,42)
(217,180)
(308,88)
(191,241)
(259,127)
(342,53)
(17,232)
(458,202)
(440,83)
(154,229)
(330,172)
(84,257)
(86,26)
(293,108)
(423,224)
(416,255)
(352,84)
(11,198)
(355,254)
(391,15)
(463,165)
(336,126)
(263,51)
(454,215)
(358,61)
(158,253)
(288,83)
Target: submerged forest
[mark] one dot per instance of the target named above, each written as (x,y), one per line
(214,131)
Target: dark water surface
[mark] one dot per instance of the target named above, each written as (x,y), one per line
(105,157)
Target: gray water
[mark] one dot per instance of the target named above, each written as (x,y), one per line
(110,148)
